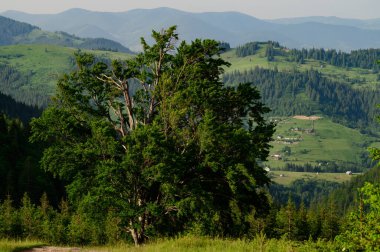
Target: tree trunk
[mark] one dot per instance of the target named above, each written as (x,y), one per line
(138,237)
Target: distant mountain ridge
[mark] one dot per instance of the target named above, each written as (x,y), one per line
(233,27)
(373,24)
(10,29)
(16,32)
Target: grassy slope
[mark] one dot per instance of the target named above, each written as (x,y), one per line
(46,62)
(288,177)
(14,246)
(190,243)
(366,77)
(330,142)
(193,243)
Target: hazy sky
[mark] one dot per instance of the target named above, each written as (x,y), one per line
(363,9)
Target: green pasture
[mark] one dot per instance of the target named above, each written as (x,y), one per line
(363,78)
(287,177)
(46,63)
(328,141)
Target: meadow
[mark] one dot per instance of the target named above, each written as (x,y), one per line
(188,243)
(45,64)
(359,78)
(316,142)
(17,246)
(287,177)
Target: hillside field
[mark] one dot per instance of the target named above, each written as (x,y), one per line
(316,142)
(44,64)
(363,78)
(286,177)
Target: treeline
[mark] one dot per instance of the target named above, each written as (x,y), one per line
(328,166)
(296,218)
(319,208)
(12,82)
(19,164)
(252,48)
(70,225)
(308,93)
(61,225)
(312,192)
(364,58)
(302,191)
(10,28)
(103,45)
(346,196)
(247,49)
(19,110)
(15,32)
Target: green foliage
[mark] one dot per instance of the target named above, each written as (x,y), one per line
(247,49)
(19,169)
(7,245)
(303,190)
(330,148)
(362,225)
(286,220)
(364,58)
(14,32)
(29,73)
(178,153)
(14,109)
(8,219)
(10,28)
(309,93)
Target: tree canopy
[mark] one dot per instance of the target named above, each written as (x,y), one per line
(160,140)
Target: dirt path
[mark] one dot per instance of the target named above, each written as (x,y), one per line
(53,249)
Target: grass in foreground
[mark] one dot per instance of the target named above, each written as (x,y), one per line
(16,246)
(192,243)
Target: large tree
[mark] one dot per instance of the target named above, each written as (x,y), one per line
(160,140)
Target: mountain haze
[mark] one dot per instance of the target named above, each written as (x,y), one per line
(233,27)
(373,24)
(15,32)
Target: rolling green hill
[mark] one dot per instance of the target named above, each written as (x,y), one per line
(316,83)
(355,76)
(14,32)
(312,81)
(318,146)
(29,73)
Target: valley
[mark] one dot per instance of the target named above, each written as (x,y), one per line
(185,141)
(330,143)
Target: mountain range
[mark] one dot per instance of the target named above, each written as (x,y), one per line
(14,32)
(232,27)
